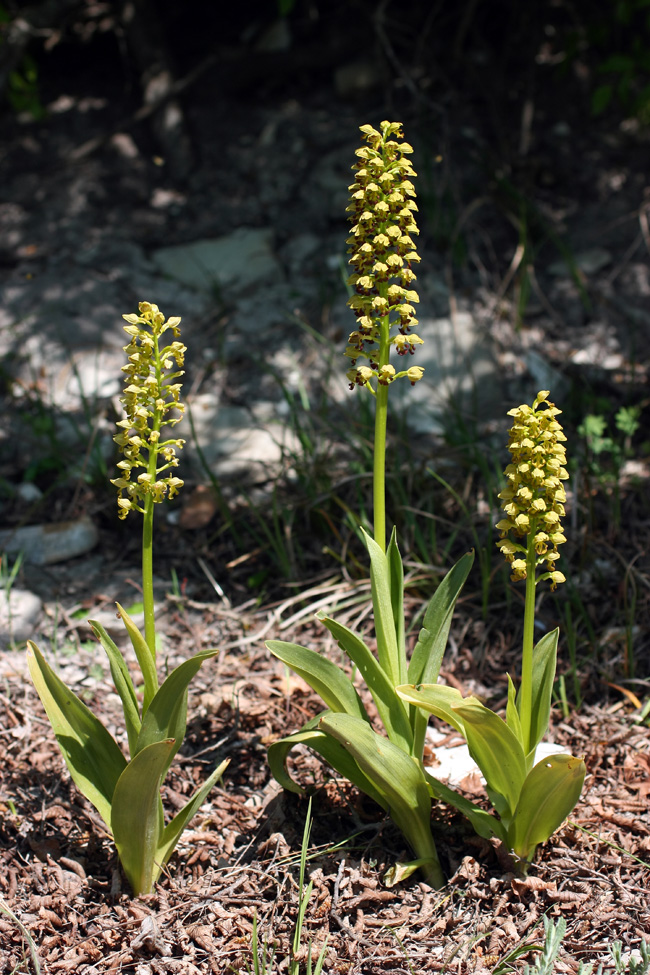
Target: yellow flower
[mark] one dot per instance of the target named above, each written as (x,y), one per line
(534,497)
(382,250)
(151,403)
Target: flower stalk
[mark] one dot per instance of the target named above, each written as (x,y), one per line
(382,206)
(533,504)
(151,403)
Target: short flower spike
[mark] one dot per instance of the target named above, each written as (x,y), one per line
(150,396)
(382,207)
(533,501)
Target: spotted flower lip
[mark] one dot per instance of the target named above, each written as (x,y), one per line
(534,498)
(382,208)
(151,403)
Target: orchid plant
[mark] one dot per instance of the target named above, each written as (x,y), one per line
(126,793)
(532,798)
(388,767)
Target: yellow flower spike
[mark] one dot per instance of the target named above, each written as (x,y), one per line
(534,499)
(149,397)
(381,247)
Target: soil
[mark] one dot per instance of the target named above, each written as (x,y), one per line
(525,174)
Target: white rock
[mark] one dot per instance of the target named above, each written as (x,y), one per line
(18,616)
(454,763)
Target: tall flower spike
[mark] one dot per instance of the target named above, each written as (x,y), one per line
(382,205)
(151,403)
(533,501)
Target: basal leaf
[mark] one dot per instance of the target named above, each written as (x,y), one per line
(398,778)
(438,699)
(123,684)
(484,823)
(544,664)
(334,687)
(396,574)
(328,748)
(167,714)
(137,817)
(92,755)
(172,831)
(390,707)
(146,660)
(498,754)
(387,648)
(548,795)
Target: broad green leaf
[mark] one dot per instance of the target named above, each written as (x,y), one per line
(484,823)
(123,684)
(391,710)
(136,819)
(512,714)
(432,639)
(90,752)
(429,650)
(438,699)
(396,572)
(548,795)
(323,676)
(397,777)
(172,831)
(387,649)
(146,659)
(544,663)
(498,754)
(329,749)
(167,714)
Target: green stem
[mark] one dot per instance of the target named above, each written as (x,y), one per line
(381,417)
(526,690)
(147,576)
(147,526)
(417,831)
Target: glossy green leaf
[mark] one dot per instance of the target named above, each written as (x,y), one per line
(146,659)
(512,714)
(172,831)
(387,649)
(328,748)
(432,639)
(548,795)
(544,664)
(390,707)
(92,755)
(438,699)
(123,684)
(167,714)
(398,777)
(323,676)
(137,816)
(396,574)
(431,644)
(484,823)
(498,754)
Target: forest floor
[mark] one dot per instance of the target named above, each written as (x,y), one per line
(87,179)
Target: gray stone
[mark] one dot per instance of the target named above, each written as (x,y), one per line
(235,444)
(460,376)
(47,544)
(230,264)
(19,613)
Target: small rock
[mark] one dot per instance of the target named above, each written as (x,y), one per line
(236,262)
(47,544)
(28,492)
(18,615)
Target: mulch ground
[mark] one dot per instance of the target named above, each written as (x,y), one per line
(238,863)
